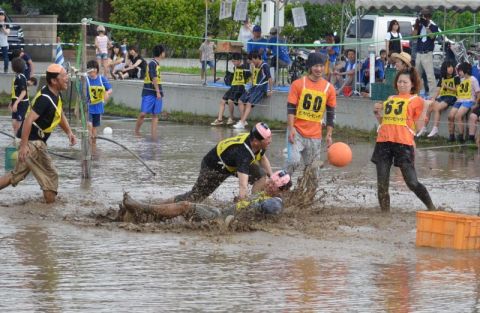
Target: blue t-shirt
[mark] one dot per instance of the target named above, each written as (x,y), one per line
(282,50)
(256,47)
(100,81)
(331,57)
(28,70)
(476,71)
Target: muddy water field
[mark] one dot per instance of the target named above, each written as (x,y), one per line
(340,254)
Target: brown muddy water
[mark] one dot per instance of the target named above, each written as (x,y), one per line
(344,257)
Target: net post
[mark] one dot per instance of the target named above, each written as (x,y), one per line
(86,149)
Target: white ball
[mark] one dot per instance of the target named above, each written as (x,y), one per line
(107,131)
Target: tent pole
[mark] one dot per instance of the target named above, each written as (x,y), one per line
(444,29)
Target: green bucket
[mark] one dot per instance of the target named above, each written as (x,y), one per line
(10,158)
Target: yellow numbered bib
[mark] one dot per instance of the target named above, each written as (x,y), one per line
(238,78)
(395,112)
(312,105)
(256,70)
(96,93)
(464,90)
(450,82)
(148,80)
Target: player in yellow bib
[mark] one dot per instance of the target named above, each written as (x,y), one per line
(152,92)
(265,202)
(446,97)
(241,74)
(468,93)
(310,97)
(399,116)
(98,92)
(242,156)
(44,114)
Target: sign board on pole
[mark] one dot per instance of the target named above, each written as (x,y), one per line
(299,18)
(241,10)
(225,9)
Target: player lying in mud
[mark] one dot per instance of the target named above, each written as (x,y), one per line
(268,201)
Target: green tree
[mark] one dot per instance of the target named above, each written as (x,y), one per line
(173,17)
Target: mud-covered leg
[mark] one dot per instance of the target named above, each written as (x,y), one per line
(383,182)
(410,177)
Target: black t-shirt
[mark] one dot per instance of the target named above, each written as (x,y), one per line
(237,156)
(142,67)
(19,85)
(46,111)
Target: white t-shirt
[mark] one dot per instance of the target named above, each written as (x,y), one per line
(3,36)
(395,35)
(244,36)
(102,44)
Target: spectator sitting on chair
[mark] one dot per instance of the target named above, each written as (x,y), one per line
(346,76)
(257,43)
(284,60)
(365,75)
(331,51)
(136,65)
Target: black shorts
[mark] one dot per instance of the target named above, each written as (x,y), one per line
(234,93)
(449,100)
(210,179)
(388,151)
(254,95)
(21,111)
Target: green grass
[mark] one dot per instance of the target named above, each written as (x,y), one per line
(5,99)
(187,70)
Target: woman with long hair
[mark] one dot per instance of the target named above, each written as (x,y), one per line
(399,116)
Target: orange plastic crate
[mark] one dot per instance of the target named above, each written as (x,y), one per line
(448,230)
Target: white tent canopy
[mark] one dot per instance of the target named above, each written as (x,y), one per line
(458,5)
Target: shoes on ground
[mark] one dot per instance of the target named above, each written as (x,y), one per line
(217,122)
(433,133)
(230,122)
(239,125)
(422,132)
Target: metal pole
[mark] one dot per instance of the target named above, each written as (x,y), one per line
(86,151)
(277,25)
(205,36)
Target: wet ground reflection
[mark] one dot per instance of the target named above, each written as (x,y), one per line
(48,265)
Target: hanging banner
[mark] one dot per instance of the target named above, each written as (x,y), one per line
(225,9)
(299,18)
(241,10)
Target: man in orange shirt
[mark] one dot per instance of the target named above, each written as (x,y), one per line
(399,117)
(309,98)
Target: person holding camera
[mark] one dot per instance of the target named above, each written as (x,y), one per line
(4,32)
(425,45)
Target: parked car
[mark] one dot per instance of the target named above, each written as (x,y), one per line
(15,38)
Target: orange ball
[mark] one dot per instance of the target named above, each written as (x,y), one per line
(339,154)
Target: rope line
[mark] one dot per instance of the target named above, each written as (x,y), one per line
(154,32)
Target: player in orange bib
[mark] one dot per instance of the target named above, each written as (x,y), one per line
(310,97)
(399,116)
